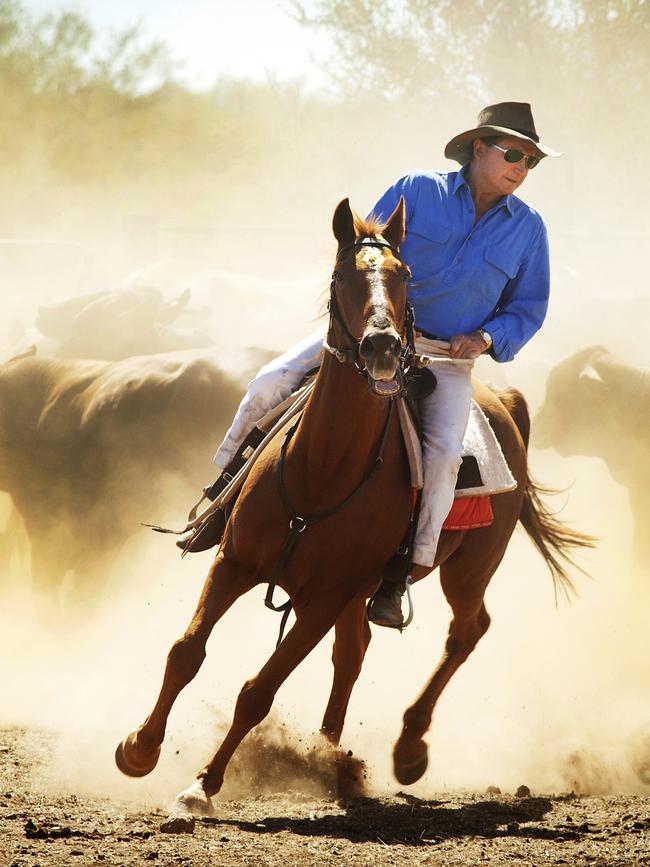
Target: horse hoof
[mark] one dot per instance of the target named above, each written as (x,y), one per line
(410,761)
(192,802)
(130,760)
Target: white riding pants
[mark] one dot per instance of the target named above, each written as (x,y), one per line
(444,419)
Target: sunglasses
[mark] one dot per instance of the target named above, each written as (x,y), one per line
(510,155)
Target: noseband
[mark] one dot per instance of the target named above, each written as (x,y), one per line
(352,354)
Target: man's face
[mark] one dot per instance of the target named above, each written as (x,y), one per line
(491,170)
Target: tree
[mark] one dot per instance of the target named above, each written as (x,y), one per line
(61,53)
(578,52)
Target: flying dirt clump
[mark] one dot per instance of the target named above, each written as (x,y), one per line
(271,761)
(591,773)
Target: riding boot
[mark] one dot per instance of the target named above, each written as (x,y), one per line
(213,528)
(385,607)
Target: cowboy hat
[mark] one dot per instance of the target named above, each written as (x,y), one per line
(502,118)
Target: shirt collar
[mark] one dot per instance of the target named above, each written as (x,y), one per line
(460,181)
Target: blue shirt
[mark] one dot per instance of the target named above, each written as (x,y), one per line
(492,274)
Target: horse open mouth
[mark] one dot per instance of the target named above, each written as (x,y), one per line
(384,387)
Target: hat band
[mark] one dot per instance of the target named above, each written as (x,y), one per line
(526,133)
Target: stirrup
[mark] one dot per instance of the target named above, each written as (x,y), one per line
(211,492)
(411,612)
(409,617)
(204,537)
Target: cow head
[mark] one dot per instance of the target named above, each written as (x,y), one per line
(577,403)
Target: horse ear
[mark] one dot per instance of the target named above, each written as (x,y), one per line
(395,228)
(343,224)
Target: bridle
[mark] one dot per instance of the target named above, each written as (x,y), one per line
(298,524)
(352,353)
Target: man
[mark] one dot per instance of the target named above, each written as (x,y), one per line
(480,283)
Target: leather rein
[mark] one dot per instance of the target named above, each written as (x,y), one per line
(297,523)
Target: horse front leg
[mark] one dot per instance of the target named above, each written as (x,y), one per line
(352,637)
(464,586)
(255,700)
(137,755)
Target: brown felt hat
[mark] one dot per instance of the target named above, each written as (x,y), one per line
(502,118)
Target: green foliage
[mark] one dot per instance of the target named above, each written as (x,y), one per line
(92,117)
(61,54)
(98,120)
(402,48)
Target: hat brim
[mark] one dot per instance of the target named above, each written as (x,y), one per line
(460,147)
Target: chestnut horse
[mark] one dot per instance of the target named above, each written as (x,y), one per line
(345,464)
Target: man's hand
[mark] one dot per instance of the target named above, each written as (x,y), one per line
(467,345)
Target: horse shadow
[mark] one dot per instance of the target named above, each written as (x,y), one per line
(416,822)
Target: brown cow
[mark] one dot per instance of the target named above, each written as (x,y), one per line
(89,449)
(598,406)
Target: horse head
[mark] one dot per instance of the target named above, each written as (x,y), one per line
(368,306)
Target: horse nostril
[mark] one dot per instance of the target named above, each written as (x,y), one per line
(367,348)
(380,344)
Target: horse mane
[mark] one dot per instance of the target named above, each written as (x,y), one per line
(369,227)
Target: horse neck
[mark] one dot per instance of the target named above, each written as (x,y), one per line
(342,425)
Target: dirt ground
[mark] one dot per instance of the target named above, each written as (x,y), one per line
(303,826)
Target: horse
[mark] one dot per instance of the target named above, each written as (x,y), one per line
(326,505)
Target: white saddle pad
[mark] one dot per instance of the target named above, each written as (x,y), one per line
(479,441)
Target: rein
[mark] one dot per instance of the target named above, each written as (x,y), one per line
(297,523)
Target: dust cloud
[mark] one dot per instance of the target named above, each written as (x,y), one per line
(556,698)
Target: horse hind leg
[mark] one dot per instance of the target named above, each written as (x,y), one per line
(137,755)
(255,700)
(469,624)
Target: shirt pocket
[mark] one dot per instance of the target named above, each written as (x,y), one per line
(498,267)
(502,259)
(428,229)
(425,248)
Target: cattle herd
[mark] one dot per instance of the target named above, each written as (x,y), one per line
(125,395)
(109,418)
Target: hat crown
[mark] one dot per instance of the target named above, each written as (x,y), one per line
(516,116)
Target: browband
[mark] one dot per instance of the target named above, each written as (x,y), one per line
(367,242)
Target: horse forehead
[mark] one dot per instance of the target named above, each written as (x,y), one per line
(372,257)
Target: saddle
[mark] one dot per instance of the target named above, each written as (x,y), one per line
(483,469)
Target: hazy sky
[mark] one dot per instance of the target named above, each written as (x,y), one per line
(248,38)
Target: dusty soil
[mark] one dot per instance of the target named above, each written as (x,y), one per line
(305,827)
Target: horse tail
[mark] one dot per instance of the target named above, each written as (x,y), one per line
(553,538)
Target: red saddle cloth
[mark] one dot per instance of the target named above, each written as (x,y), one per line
(469,513)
